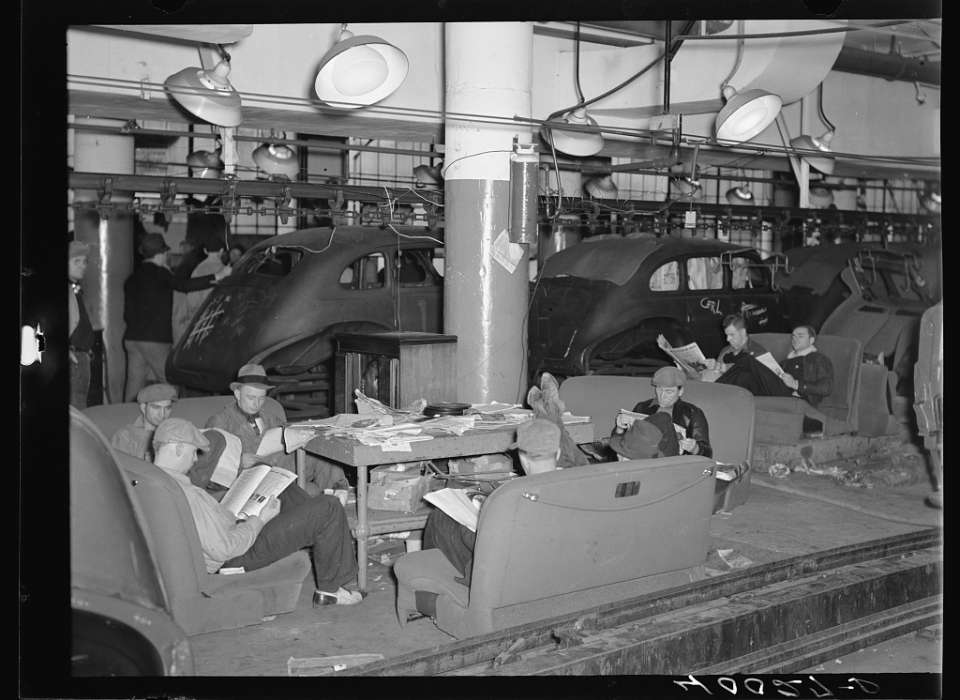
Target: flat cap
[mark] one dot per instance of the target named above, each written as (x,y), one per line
(180,430)
(156,392)
(668,376)
(538,438)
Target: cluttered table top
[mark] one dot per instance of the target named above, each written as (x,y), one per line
(383,435)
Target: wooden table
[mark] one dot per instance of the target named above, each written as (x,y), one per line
(353,453)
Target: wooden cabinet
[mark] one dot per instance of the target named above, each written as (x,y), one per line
(395,367)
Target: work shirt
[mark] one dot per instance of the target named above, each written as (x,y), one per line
(135,439)
(222,537)
(235,421)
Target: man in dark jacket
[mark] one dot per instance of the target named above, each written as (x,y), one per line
(668,384)
(807,370)
(147,311)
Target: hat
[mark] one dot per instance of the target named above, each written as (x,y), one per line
(251,375)
(152,244)
(640,441)
(669,444)
(77,249)
(538,438)
(156,392)
(225,450)
(180,430)
(668,376)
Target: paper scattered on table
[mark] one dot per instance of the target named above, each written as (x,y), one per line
(506,253)
(492,408)
(568,418)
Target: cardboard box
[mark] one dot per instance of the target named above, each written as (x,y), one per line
(397,487)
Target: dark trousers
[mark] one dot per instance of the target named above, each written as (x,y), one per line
(754,376)
(453,539)
(317,522)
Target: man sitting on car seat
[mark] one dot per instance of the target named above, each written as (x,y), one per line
(668,384)
(737,363)
(284,526)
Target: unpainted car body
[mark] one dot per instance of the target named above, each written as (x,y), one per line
(289,294)
(121,622)
(861,291)
(599,305)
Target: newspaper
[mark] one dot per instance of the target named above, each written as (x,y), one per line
(689,357)
(626,419)
(766,359)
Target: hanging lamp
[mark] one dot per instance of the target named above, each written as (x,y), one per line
(739,195)
(277,160)
(207,94)
(815,150)
(602,187)
(358,71)
(582,141)
(207,164)
(746,114)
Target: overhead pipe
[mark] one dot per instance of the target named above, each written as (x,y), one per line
(891,66)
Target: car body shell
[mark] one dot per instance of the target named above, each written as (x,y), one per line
(121,619)
(594,301)
(287,296)
(861,291)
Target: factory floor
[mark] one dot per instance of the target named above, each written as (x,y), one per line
(783,517)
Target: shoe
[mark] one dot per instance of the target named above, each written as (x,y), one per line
(341,597)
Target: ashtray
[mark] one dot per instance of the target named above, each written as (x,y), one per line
(445,409)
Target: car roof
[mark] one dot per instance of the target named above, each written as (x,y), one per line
(815,267)
(617,259)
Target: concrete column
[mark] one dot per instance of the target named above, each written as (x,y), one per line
(488,71)
(111,240)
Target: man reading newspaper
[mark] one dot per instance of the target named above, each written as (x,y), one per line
(742,362)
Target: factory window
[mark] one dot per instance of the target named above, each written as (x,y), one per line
(366,272)
(666,278)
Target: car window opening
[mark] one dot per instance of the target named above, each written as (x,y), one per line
(273,262)
(366,272)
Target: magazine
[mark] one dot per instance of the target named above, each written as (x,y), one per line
(248,494)
(457,504)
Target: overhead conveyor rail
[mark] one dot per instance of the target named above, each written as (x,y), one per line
(778,617)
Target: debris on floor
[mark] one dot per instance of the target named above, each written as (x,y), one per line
(326,665)
(733,560)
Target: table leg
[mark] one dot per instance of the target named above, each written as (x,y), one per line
(301,462)
(362,529)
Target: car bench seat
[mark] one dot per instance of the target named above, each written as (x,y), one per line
(566,540)
(780,418)
(729,411)
(201,602)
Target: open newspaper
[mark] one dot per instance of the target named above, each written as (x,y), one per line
(766,359)
(457,504)
(248,494)
(689,357)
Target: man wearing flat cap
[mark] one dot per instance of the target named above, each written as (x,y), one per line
(668,385)
(136,439)
(538,448)
(80,328)
(252,414)
(148,313)
(283,527)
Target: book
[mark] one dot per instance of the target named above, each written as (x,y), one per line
(457,504)
(251,489)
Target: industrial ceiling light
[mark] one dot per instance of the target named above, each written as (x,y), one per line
(574,142)
(277,160)
(359,70)
(739,195)
(207,94)
(821,197)
(817,146)
(746,114)
(602,187)
(930,201)
(687,186)
(428,175)
(207,164)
